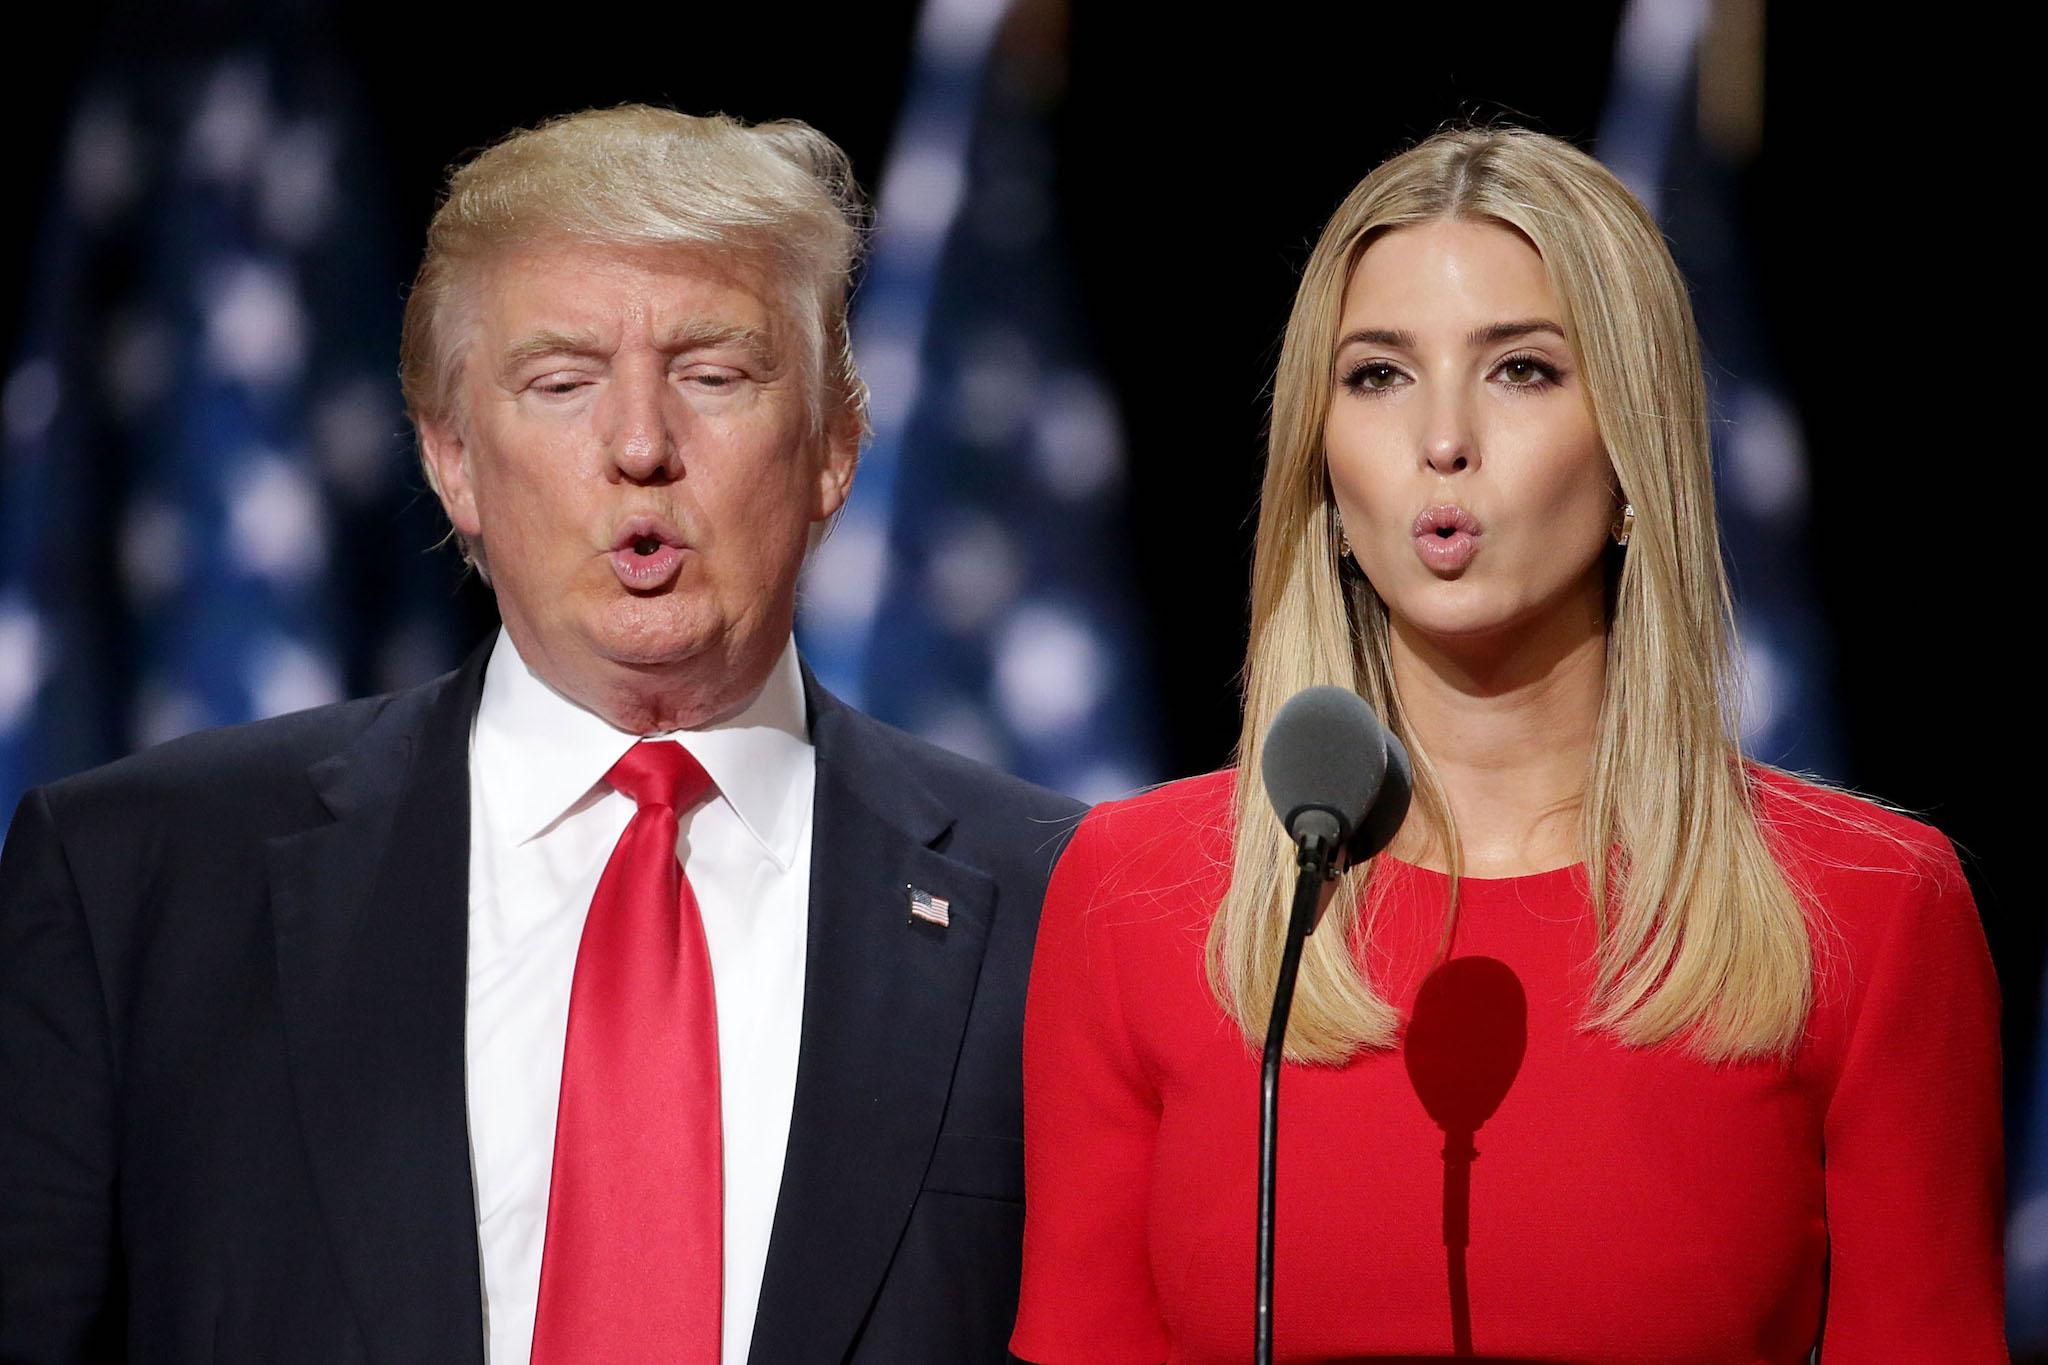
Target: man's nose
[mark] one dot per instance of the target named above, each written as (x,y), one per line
(642,439)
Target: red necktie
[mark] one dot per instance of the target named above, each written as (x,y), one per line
(633,1266)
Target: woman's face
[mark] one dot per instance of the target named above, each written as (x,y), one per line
(1462,449)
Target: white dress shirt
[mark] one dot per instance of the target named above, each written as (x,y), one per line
(542,825)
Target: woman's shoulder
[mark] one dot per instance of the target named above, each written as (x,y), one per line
(1187,804)
(1163,839)
(1876,882)
(1821,830)
(1905,1010)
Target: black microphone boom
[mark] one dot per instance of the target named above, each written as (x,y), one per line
(1340,784)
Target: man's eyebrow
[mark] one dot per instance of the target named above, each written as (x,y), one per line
(543,343)
(684,337)
(701,335)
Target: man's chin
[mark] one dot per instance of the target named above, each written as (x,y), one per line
(670,648)
(650,680)
(656,652)
(623,633)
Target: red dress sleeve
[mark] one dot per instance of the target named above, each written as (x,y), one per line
(1912,1141)
(1090,1121)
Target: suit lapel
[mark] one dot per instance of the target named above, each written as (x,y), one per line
(885,1002)
(371,916)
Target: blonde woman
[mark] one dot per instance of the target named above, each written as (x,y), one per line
(1628,1049)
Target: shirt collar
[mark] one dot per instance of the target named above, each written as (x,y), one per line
(541,756)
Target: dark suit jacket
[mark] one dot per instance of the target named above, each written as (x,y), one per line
(232,983)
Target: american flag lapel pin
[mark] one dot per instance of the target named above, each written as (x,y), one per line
(929,908)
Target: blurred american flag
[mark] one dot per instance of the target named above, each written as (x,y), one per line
(975,590)
(1683,114)
(207,509)
(1679,139)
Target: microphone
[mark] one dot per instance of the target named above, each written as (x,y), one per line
(1339,780)
(1340,783)
(1383,818)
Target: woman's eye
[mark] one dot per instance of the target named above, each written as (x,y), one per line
(1527,372)
(1373,376)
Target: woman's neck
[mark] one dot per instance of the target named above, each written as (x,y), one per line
(1509,725)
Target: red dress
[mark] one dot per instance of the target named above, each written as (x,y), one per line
(1612,1204)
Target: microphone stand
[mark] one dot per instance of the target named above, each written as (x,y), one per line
(1315,853)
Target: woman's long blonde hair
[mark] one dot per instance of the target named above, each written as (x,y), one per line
(1702,939)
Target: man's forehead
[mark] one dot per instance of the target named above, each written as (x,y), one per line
(666,292)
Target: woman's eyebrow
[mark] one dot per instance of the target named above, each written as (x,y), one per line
(1490,335)
(1379,336)
(1498,332)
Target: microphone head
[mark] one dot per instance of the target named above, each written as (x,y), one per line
(1383,821)
(1325,752)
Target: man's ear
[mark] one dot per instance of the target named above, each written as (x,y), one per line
(839,457)
(446,458)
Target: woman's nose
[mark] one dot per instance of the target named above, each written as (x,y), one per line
(1448,446)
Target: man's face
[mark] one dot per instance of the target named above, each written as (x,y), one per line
(634,452)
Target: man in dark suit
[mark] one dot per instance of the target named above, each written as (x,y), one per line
(430,1027)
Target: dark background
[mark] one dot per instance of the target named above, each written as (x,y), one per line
(1197,162)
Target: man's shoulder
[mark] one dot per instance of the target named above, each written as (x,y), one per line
(965,786)
(256,767)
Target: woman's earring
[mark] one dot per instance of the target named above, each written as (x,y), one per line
(1625,524)
(1344,551)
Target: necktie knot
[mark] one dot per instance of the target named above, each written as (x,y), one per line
(660,773)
